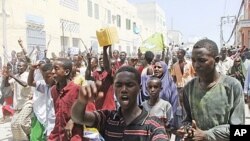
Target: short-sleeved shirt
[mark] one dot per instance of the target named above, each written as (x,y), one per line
(63,101)
(161,109)
(111,125)
(187,75)
(107,102)
(44,107)
(21,94)
(223,66)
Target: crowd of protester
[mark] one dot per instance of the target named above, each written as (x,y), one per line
(143,97)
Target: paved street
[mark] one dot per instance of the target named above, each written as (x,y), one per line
(5,131)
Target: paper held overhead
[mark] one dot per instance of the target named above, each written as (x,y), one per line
(107,36)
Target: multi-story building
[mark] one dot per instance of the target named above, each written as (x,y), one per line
(56,25)
(243,27)
(175,37)
(66,24)
(153,17)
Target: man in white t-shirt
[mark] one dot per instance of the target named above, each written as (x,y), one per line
(43,103)
(22,103)
(225,62)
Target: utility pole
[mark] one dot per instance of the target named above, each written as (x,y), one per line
(221,32)
(4,33)
(227,21)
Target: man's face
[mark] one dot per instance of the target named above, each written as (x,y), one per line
(126,89)
(77,61)
(115,54)
(154,88)
(180,54)
(59,73)
(48,77)
(101,62)
(223,53)
(13,54)
(19,56)
(9,67)
(237,62)
(122,56)
(21,67)
(130,62)
(203,62)
(93,63)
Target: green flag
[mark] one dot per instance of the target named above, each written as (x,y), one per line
(153,43)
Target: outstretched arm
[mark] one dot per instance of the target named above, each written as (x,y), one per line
(21,82)
(79,115)
(20,42)
(106,61)
(31,81)
(88,70)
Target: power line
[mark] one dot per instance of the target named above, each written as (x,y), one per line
(229,19)
(236,22)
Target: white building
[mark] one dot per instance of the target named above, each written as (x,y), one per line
(153,17)
(175,37)
(63,24)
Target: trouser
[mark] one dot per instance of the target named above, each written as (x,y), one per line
(37,130)
(21,123)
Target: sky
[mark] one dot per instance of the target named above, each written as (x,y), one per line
(199,18)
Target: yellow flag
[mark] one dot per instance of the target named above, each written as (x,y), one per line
(153,43)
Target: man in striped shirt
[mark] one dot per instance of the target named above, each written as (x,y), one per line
(130,122)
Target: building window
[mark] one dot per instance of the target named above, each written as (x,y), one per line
(70,26)
(75,42)
(109,16)
(118,18)
(90,8)
(72,4)
(36,35)
(96,6)
(128,24)
(36,39)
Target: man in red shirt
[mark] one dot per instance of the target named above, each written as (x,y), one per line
(104,76)
(64,93)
